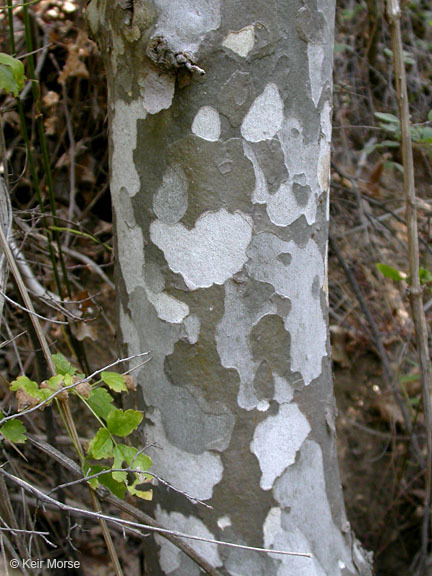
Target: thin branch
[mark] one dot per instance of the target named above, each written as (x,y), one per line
(132,470)
(393,13)
(28,311)
(89,514)
(65,388)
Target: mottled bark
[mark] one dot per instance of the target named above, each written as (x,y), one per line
(220,192)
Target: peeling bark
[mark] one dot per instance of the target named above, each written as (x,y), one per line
(219,185)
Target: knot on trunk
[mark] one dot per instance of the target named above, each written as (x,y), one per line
(159,51)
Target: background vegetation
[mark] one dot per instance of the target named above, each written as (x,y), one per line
(53,144)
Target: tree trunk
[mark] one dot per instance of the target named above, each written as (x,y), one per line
(220,188)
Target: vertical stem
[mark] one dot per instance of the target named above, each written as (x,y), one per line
(63,404)
(416,297)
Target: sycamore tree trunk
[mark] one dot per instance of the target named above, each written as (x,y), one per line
(220,188)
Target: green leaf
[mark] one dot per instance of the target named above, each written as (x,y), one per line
(128,454)
(89,470)
(408,58)
(143,494)
(425,276)
(114,381)
(14,431)
(79,233)
(12,76)
(426,135)
(24,383)
(55,382)
(409,378)
(122,423)
(429,116)
(43,394)
(338,48)
(117,488)
(101,446)
(386,117)
(395,165)
(100,401)
(390,272)
(118,463)
(62,365)
(29,386)
(388,144)
(142,462)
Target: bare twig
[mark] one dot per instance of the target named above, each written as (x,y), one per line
(30,311)
(44,498)
(104,494)
(416,292)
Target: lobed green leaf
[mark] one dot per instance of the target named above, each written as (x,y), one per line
(114,381)
(122,423)
(100,401)
(14,431)
(101,446)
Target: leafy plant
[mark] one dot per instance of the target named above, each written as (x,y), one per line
(420,133)
(12,77)
(425,275)
(124,467)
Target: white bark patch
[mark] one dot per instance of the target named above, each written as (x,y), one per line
(284,433)
(191,327)
(308,168)
(265,116)
(196,474)
(283,390)
(171,200)
(130,337)
(168,308)
(301,160)
(315,58)
(241,41)
(211,252)
(206,124)
(130,245)
(232,341)
(124,141)
(276,537)
(324,152)
(263,406)
(224,522)
(157,90)
(185,24)
(170,555)
(300,280)
(260,194)
(301,489)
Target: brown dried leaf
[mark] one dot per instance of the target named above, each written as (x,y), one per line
(24,400)
(83,388)
(74,66)
(130,382)
(82,330)
(61,395)
(51,98)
